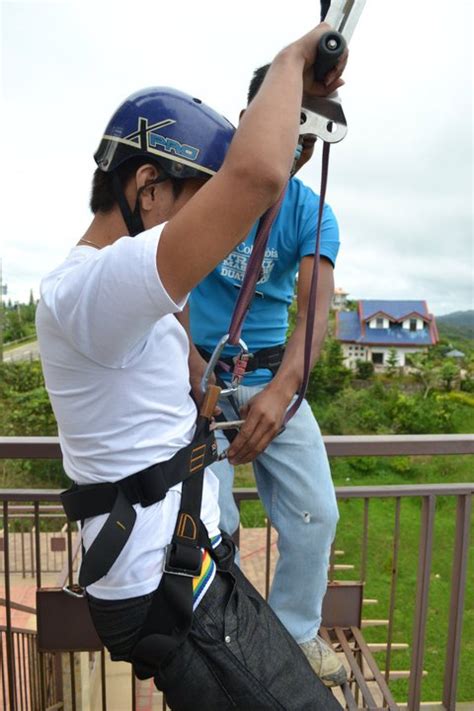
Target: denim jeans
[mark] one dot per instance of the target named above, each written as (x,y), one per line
(294,483)
(237,655)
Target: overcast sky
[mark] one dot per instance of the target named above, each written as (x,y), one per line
(400,183)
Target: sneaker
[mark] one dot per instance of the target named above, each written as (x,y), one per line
(324,661)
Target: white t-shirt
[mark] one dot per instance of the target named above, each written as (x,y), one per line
(115,361)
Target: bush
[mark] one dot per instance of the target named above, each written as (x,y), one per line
(364,369)
(329,376)
(467,385)
(413,414)
(364,465)
(383,408)
(25,411)
(465,398)
(20,377)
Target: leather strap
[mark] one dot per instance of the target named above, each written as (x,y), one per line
(252,272)
(311,311)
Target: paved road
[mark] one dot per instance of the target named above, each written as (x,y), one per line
(28,351)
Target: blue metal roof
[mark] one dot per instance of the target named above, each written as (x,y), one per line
(349,329)
(396,309)
(348,326)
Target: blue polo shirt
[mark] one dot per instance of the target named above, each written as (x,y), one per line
(293,236)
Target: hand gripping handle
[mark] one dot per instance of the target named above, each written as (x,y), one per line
(331,45)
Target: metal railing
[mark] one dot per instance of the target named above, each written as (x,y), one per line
(36,683)
(35,502)
(23,537)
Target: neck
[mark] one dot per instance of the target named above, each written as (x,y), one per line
(105,229)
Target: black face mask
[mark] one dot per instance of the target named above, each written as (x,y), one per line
(132,218)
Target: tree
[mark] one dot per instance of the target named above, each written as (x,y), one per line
(467,381)
(337,375)
(449,371)
(392,362)
(365,369)
(413,414)
(425,371)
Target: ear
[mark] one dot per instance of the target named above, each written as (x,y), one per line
(145,187)
(241,114)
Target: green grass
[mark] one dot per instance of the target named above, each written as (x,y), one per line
(401,470)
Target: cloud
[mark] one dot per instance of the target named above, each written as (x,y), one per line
(400,183)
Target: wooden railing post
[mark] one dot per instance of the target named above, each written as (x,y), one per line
(458,586)
(421,604)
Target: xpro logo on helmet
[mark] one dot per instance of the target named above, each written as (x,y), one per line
(148,138)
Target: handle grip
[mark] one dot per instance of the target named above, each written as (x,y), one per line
(210,401)
(331,45)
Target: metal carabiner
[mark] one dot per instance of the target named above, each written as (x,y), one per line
(214,359)
(74,590)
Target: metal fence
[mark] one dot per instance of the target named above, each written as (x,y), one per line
(39,674)
(34,682)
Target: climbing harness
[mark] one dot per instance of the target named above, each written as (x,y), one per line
(170,615)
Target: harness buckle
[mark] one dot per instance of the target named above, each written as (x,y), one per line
(189,567)
(74,590)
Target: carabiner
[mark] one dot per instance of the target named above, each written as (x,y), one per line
(74,590)
(238,371)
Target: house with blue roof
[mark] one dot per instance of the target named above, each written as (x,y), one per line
(377,327)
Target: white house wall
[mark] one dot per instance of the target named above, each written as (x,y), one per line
(419,324)
(353,352)
(373,322)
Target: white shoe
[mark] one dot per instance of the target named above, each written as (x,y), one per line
(324,661)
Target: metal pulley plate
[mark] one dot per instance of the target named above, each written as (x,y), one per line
(323,118)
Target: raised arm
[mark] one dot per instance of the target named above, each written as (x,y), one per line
(254,172)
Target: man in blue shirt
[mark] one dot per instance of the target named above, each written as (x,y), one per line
(291,469)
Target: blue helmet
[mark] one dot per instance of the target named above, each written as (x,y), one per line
(184,136)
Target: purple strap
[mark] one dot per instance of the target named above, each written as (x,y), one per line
(311,312)
(252,272)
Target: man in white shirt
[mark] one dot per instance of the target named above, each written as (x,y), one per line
(174,192)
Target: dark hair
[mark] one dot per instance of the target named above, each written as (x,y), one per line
(256,81)
(103,195)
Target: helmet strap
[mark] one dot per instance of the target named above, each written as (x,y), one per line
(132,218)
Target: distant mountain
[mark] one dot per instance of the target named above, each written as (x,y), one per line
(459,324)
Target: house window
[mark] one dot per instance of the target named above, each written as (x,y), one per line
(379,323)
(413,322)
(377,358)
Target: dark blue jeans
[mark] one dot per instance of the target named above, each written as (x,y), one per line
(237,656)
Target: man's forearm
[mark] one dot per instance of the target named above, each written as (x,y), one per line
(290,373)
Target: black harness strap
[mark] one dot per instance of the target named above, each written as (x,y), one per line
(110,541)
(269,358)
(146,487)
(170,615)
